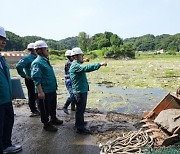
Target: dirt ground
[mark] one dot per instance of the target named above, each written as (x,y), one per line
(29,133)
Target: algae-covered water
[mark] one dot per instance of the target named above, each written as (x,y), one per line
(131,86)
(135,100)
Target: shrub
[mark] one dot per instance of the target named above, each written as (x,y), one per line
(57,52)
(171,52)
(92,55)
(120,52)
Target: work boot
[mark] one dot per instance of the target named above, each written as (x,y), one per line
(49,127)
(35,114)
(83,131)
(85,123)
(65,110)
(12,149)
(56,121)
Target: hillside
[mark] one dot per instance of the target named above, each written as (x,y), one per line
(147,42)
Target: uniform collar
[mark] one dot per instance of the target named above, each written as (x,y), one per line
(33,55)
(43,58)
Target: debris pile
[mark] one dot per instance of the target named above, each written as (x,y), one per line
(132,142)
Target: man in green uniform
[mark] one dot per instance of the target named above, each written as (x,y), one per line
(44,79)
(6,108)
(23,68)
(80,86)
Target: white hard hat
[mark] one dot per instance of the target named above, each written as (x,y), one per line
(30,46)
(68,53)
(40,44)
(3,33)
(76,51)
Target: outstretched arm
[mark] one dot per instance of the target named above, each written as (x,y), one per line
(92,67)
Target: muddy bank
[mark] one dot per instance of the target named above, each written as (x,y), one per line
(28,131)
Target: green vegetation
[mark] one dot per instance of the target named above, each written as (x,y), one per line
(169,43)
(147,71)
(146,55)
(17,43)
(105,45)
(161,72)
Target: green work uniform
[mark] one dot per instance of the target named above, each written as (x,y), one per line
(78,76)
(5,82)
(24,65)
(43,73)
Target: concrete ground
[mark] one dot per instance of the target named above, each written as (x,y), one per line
(29,133)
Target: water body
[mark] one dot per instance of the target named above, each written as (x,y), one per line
(137,100)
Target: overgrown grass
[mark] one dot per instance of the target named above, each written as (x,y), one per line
(156,56)
(162,72)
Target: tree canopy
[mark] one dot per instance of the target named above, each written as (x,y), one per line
(17,43)
(150,42)
(99,41)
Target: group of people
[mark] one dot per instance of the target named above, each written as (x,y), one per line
(41,84)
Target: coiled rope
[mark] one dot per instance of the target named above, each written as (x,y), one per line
(132,142)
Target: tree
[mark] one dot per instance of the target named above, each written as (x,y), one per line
(108,35)
(99,41)
(126,50)
(83,41)
(15,42)
(103,42)
(116,40)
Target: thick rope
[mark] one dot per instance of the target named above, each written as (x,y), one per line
(132,142)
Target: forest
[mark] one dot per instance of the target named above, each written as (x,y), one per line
(109,44)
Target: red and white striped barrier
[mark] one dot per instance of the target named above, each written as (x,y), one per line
(13,54)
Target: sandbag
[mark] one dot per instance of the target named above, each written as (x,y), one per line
(17,91)
(169,119)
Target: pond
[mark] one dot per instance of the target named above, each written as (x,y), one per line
(137,100)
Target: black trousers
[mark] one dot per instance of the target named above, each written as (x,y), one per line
(81,100)
(31,95)
(47,107)
(6,125)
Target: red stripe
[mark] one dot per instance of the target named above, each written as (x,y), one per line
(10,54)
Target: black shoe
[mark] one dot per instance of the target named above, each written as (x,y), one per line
(49,127)
(83,131)
(85,123)
(56,121)
(35,114)
(12,149)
